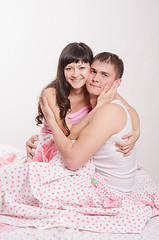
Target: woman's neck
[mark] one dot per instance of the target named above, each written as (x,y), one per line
(78,99)
(93,100)
(78,92)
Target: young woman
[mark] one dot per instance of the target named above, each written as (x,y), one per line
(69,100)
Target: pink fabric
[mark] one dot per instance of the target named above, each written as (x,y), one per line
(73,117)
(77,116)
(46,152)
(6,159)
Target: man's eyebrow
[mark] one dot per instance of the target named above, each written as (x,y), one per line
(93,69)
(102,72)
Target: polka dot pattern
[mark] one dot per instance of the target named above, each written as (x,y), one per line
(48,195)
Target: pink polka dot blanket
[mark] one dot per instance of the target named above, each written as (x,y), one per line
(46,195)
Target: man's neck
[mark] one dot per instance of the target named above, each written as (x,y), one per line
(93,100)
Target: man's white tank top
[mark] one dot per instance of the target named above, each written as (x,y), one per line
(119,171)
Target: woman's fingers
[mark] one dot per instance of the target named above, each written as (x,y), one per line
(30,152)
(128,135)
(31,141)
(30,146)
(123,144)
(107,96)
(123,148)
(126,152)
(44,105)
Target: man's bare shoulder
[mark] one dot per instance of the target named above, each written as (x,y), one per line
(111,115)
(111,108)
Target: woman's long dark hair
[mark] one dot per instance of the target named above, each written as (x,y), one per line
(73,52)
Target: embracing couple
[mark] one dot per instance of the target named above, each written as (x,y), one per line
(82,104)
(83,170)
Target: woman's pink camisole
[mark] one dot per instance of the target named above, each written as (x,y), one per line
(73,117)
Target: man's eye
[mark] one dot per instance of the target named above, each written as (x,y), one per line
(105,75)
(92,71)
(82,67)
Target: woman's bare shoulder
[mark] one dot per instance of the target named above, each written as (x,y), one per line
(49,92)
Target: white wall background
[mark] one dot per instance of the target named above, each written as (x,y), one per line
(33,33)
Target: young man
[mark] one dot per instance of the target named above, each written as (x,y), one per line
(107,126)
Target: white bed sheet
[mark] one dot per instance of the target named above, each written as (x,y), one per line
(150,232)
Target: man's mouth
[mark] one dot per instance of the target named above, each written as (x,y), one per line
(93,85)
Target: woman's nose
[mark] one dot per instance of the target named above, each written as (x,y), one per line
(75,73)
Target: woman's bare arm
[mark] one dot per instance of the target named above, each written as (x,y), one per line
(104,97)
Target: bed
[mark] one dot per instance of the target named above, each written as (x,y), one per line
(150,231)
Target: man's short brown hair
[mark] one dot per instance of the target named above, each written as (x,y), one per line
(108,57)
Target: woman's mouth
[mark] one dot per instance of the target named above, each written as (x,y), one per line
(76,80)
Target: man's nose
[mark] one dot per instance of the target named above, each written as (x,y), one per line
(96,78)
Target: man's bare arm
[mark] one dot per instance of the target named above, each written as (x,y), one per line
(103,124)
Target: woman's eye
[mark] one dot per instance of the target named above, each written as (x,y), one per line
(82,67)
(68,68)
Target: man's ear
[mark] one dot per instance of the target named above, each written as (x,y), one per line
(119,81)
